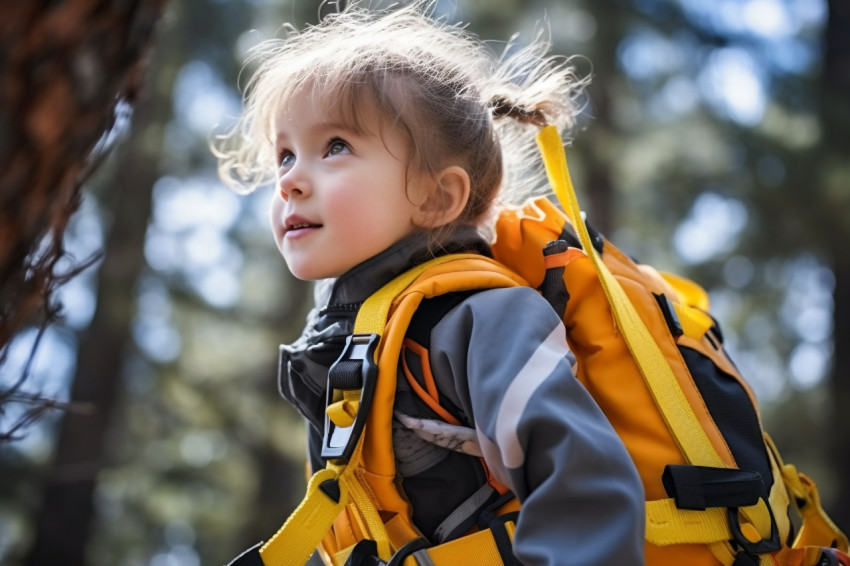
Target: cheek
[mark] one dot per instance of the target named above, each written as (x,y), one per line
(345,201)
(376,216)
(276,216)
(349,217)
(368,206)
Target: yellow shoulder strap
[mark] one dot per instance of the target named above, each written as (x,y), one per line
(673,406)
(372,316)
(683,424)
(662,383)
(302,532)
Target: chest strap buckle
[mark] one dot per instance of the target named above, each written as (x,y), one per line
(351,378)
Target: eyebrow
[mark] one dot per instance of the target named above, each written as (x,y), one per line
(328,126)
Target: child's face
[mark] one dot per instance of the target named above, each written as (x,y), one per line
(342,196)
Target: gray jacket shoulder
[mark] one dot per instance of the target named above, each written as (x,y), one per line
(503,355)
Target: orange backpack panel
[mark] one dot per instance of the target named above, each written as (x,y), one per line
(674,312)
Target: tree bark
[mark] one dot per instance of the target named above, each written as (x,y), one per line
(64,521)
(64,66)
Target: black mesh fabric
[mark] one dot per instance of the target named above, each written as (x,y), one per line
(734,414)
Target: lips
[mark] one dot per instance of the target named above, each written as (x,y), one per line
(300,226)
(295,224)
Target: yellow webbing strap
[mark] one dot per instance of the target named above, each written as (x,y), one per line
(681,421)
(664,522)
(817,528)
(372,316)
(302,532)
(476,548)
(674,407)
(342,412)
(688,292)
(299,536)
(695,323)
(711,525)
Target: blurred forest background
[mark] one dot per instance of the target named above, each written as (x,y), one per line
(716,144)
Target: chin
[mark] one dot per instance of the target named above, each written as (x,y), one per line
(305,274)
(309,273)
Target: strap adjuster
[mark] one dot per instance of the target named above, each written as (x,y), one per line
(762,546)
(699,487)
(355,369)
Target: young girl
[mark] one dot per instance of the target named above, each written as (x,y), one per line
(391,137)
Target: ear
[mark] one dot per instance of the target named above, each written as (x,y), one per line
(445,199)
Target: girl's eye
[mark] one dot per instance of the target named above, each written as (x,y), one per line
(287,158)
(337,147)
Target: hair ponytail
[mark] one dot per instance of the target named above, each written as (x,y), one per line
(528,86)
(501,107)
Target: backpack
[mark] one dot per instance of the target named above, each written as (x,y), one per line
(649,353)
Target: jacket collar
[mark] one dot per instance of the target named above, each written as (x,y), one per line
(358,283)
(304,364)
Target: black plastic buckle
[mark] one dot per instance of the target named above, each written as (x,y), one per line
(359,353)
(364,553)
(762,546)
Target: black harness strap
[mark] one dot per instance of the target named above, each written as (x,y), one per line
(408,549)
(346,374)
(503,539)
(553,288)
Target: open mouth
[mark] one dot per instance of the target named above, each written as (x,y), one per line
(300,227)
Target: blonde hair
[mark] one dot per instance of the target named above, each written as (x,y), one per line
(456,101)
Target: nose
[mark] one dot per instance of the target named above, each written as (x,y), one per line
(293,183)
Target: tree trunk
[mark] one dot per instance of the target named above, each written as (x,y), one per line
(599,186)
(64,66)
(836,124)
(840,454)
(64,521)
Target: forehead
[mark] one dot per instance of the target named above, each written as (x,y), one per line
(330,107)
